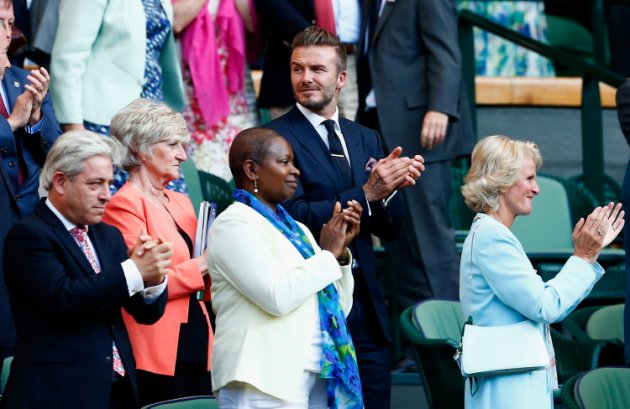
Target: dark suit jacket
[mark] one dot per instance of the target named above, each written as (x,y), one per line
(285,18)
(66,315)
(14,203)
(414,61)
(623,111)
(9,212)
(320,186)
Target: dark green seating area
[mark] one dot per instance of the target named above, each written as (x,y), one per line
(190,402)
(434,327)
(205,186)
(601,388)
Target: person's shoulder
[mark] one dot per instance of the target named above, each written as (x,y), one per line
(177,197)
(349,124)
(107,229)
(623,93)
(16,72)
(33,225)
(282,123)
(488,230)
(126,196)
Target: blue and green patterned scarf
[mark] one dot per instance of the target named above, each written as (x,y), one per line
(339,361)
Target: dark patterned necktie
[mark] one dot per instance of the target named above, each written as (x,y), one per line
(336,152)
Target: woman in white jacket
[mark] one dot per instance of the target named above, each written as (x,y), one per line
(280,301)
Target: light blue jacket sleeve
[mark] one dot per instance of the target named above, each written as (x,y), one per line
(512,278)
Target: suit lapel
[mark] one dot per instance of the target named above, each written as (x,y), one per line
(308,137)
(12,86)
(354,144)
(387,10)
(64,237)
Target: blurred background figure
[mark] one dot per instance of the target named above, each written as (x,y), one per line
(108,53)
(280,299)
(37,22)
(284,19)
(495,57)
(173,355)
(623,111)
(218,84)
(498,284)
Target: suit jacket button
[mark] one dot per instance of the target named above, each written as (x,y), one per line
(3,150)
(108,359)
(11,163)
(18,197)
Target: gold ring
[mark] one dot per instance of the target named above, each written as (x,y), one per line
(599,232)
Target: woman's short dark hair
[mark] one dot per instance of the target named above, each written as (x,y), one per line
(252,143)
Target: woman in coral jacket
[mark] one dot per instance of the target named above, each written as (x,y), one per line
(173,355)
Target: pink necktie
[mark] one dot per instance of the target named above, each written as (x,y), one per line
(80,235)
(325,15)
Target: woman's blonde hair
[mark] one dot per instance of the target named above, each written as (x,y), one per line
(496,163)
(142,124)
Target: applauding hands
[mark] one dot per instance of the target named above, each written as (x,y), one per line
(599,229)
(391,173)
(152,258)
(341,229)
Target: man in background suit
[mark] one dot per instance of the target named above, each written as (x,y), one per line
(341,161)
(411,89)
(27,130)
(67,287)
(623,111)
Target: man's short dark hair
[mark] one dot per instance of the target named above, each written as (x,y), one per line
(314,36)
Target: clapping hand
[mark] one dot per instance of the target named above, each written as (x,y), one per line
(352,215)
(599,229)
(152,258)
(342,227)
(38,88)
(391,173)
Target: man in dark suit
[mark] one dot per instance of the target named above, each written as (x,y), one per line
(27,129)
(285,18)
(411,89)
(67,287)
(341,161)
(623,111)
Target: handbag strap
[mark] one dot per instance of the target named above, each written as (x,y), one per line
(474,383)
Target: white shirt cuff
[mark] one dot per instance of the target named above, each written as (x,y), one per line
(135,284)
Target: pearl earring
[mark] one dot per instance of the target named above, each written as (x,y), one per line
(255,185)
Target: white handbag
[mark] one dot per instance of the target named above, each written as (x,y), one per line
(500,350)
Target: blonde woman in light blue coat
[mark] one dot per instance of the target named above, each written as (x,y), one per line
(498,284)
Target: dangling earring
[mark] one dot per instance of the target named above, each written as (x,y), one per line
(255,185)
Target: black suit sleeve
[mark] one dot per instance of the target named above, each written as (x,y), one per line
(438,32)
(40,272)
(145,313)
(623,109)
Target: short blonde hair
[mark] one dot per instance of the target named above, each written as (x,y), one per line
(142,124)
(496,163)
